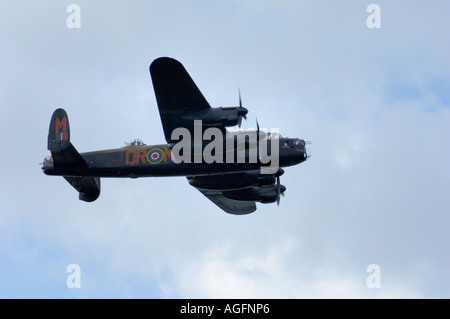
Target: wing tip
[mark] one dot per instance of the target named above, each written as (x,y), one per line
(163,62)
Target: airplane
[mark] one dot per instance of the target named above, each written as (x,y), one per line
(231,168)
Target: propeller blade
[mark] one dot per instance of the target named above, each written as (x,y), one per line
(240,106)
(278,190)
(240,100)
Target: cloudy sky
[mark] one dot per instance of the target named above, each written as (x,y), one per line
(374,102)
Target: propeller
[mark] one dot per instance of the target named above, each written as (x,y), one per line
(280,188)
(242,111)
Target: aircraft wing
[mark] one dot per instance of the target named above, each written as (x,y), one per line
(231,206)
(176,94)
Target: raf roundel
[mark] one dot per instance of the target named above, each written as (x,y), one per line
(155,155)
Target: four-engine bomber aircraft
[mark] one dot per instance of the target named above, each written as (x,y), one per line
(230,168)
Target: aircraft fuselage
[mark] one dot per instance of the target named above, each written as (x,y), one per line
(157,160)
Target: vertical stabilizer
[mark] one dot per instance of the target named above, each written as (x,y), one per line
(63,152)
(67,158)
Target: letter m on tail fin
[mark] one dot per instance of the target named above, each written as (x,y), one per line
(62,129)
(59,132)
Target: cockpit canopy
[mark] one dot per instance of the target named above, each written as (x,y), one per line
(294,143)
(298,142)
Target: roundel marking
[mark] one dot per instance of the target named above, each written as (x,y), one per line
(155,155)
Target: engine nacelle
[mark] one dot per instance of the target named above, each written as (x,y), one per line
(227,116)
(262,194)
(234,180)
(226,181)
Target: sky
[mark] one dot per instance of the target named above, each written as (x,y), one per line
(374,102)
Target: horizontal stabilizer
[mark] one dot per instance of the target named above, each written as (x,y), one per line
(87,186)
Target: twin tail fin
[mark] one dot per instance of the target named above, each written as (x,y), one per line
(66,157)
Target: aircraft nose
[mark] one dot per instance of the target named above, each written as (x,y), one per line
(302,150)
(301,155)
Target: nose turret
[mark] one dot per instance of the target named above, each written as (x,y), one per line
(292,151)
